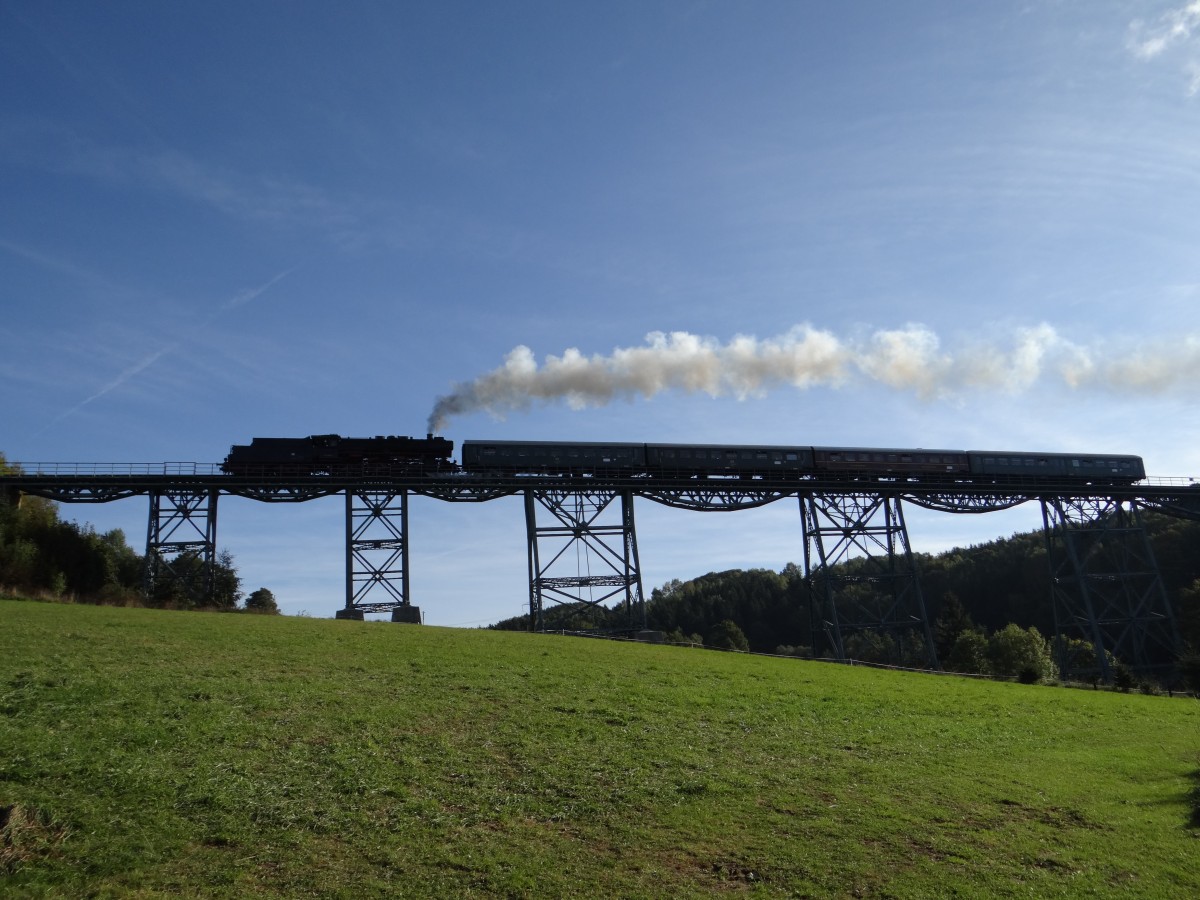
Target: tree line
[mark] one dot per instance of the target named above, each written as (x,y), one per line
(43,556)
(988,606)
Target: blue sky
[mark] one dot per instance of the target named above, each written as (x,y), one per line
(227,220)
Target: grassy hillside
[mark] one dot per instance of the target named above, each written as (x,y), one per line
(156,753)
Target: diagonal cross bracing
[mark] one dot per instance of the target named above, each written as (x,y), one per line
(181,543)
(376,550)
(862,577)
(583,558)
(1106,588)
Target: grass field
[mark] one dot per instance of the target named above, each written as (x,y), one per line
(151,753)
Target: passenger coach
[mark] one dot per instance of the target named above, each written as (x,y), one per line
(534,457)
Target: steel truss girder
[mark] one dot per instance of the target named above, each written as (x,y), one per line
(880,594)
(714,498)
(966,502)
(1106,587)
(182,530)
(376,550)
(580,533)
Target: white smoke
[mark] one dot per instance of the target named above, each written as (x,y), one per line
(910,359)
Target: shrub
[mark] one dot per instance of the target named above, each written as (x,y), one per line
(1021,652)
(726,635)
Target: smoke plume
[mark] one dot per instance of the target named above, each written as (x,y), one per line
(910,359)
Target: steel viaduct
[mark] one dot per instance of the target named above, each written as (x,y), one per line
(1103,581)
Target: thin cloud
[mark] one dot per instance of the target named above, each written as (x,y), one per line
(243,195)
(56,264)
(235,194)
(1174,27)
(1193,70)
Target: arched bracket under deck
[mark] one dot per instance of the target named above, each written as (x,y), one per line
(88,494)
(715,499)
(966,502)
(285,493)
(466,493)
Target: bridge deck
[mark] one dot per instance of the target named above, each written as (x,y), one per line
(102,483)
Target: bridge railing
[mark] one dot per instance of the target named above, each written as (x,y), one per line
(1178,481)
(132,469)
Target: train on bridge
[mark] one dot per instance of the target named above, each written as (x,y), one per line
(331,454)
(334,455)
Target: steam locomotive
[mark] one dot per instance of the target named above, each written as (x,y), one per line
(329,454)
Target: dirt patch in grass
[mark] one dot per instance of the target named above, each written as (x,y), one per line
(27,835)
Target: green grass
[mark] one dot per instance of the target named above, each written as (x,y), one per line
(151,753)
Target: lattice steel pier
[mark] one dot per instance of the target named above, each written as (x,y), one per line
(585,557)
(1106,587)
(181,542)
(878,593)
(377,558)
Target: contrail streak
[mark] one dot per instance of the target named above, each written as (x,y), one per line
(909,359)
(243,297)
(112,385)
(239,299)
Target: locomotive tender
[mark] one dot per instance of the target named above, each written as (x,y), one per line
(329,454)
